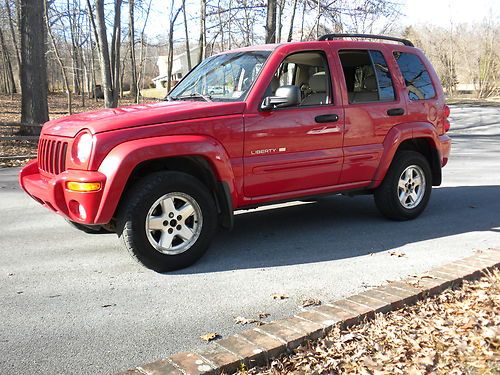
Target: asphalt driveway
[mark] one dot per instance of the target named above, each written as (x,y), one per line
(77,304)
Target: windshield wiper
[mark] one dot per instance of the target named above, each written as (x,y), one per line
(194,95)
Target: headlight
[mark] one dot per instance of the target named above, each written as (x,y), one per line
(82,147)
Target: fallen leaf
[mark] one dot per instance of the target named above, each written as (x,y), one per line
(210,336)
(241,320)
(280,296)
(310,302)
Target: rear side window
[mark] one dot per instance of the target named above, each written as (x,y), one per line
(367,76)
(416,76)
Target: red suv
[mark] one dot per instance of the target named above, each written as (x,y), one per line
(287,121)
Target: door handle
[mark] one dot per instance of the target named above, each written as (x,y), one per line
(326,118)
(395,111)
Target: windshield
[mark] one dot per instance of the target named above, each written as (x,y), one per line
(225,77)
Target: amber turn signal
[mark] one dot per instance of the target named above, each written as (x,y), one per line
(83,186)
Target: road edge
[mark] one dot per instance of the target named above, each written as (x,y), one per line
(257,346)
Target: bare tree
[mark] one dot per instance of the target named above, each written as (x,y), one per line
(202,42)
(131,38)
(271,21)
(34,107)
(173,17)
(292,19)
(188,50)
(104,60)
(67,88)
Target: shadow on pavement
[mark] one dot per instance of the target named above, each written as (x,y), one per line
(342,227)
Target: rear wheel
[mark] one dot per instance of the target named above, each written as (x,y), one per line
(406,189)
(167,221)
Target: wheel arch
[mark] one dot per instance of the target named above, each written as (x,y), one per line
(200,156)
(420,137)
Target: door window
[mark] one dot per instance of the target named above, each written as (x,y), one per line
(367,76)
(308,71)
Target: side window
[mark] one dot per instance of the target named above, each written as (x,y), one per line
(309,72)
(367,76)
(416,76)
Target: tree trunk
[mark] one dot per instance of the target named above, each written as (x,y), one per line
(271,22)
(203,32)
(188,50)
(107,83)
(58,57)
(34,107)
(131,37)
(13,36)
(290,31)
(115,51)
(11,84)
(173,18)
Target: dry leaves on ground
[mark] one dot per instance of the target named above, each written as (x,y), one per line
(280,296)
(457,332)
(310,302)
(210,336)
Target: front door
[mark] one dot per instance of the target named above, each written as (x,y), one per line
(299,148)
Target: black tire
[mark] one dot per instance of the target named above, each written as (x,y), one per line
(89,229)
(135,208)
(386,195)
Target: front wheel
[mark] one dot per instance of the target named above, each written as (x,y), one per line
(167,221)
(406,189)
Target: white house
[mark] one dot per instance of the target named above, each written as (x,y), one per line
(179,67)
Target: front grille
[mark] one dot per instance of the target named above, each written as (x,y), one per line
(52,155)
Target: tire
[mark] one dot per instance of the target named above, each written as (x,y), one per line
(408,200)
(89,229)
(152,228)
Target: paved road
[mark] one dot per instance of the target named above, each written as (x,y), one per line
(55,281)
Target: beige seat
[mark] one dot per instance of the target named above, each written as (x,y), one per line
(368,94)
(317,84)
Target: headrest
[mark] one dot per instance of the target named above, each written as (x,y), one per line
(371,83)
(317,82)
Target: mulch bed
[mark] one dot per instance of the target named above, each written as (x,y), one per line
(456,332)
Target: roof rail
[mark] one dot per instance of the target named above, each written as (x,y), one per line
(406,42)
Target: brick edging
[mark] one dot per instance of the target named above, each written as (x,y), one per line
(257,346)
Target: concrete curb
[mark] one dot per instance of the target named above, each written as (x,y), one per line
(257,346)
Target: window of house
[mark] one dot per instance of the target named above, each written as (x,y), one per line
(308,71)
(416,76)
(367,76)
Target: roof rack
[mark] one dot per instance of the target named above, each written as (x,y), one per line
(406,42)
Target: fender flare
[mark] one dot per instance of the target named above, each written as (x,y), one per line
(401,133)
(122,160)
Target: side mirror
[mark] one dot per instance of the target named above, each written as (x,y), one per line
(285,96)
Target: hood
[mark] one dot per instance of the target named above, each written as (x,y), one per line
(138,115)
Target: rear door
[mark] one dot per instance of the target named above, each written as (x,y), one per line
(372,107)
(298,148)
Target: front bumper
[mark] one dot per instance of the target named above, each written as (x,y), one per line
(51,191)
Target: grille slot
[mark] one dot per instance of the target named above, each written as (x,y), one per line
(52,155)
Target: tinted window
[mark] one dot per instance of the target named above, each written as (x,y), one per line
(367,76)
(416,76)
(385,87)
